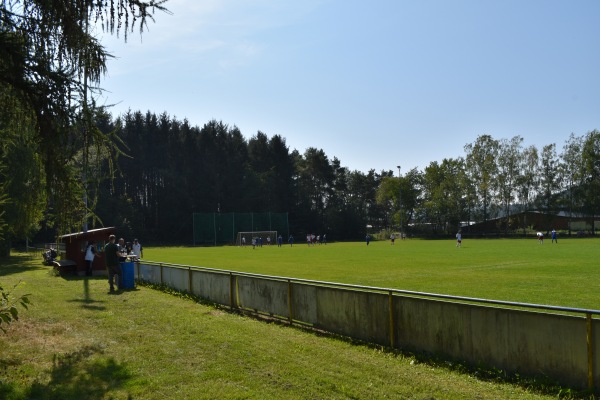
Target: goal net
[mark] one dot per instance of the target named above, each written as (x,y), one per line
(245,238)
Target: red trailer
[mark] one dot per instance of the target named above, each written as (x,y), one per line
(73,260)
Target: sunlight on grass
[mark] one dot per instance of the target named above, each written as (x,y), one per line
(517,270)
(76,341)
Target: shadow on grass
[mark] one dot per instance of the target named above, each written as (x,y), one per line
(18,264)
(76,375)
(104,278)
(87,301)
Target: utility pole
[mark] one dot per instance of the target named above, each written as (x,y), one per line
(400,201)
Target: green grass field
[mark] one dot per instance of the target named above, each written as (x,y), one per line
(77,342)
(520,270)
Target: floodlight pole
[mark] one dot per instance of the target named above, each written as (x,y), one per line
(400,201)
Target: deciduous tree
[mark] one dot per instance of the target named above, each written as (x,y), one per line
(509,163)
(482,167)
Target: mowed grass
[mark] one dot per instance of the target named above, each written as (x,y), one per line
(76,341)
(518,270)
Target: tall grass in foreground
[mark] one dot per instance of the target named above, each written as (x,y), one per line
(520,270)
(78,342)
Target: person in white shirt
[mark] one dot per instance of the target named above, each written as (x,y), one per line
(90,253)
(458,239)
(137,249)
(540,237)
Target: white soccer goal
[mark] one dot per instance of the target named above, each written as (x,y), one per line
(245,238)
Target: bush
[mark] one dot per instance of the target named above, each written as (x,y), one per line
(9,312)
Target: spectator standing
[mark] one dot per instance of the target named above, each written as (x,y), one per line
(137,249)
(122,250)
(112,255)
(90,253)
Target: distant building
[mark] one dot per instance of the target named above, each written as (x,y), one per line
(537,221)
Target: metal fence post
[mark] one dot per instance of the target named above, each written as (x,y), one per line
(391,306)
(590,351)
(290,305)
(231,288)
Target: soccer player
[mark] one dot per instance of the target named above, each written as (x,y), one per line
(540,237)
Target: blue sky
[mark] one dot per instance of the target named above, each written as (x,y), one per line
(375,84)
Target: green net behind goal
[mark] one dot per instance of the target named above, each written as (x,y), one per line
(223,228)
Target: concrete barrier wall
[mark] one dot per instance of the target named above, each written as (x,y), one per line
(361,315)
(513,340)
(149,273)
(524,341)
(177,278)
(262,295)
(211,286)
(304,303)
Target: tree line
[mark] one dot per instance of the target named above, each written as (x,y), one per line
(499,177)
(169,170)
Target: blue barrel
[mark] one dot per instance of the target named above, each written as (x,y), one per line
(127,275)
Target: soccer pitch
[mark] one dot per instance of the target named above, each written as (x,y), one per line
(518,270)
